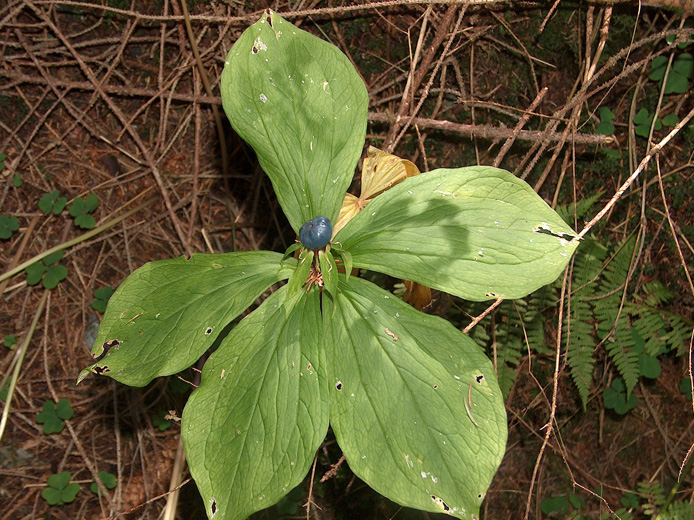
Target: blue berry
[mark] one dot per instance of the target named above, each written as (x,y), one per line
(316,233)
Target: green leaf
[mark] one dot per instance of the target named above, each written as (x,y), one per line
(85,221)
(10,341)
(53,258)
(300,274)
(414,402)
(50,420)
(35,273)
(159,421)
(91,203)
(615,397)
(52,203)
(16,179)
(558,504)
(77,207)
(51,495)
(604,129)
(670,120)
(107,479)
(642,117)
(101,297)
(59,480)
(54,275)
(605,114)
(252,427)
(2,161)
(8,225)
(63,409)
(676,84)
(476,232)
(69,492)
(658,67)
(167,313)
(299,102)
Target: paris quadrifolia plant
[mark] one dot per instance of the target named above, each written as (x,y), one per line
(413,402)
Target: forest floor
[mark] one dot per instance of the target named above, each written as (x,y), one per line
(106,99)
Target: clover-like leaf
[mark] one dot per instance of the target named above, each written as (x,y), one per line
(80,210)
(59,490)
(8,225)
(52,415)
(615,397)
(107,479)
(167,313)
(159,420)
(476,232)
(301,105)
(52,203)
(101,297)
(252,427)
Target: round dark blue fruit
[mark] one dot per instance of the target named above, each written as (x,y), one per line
(316,233)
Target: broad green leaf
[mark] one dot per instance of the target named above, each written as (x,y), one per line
(59,480)
(252,427)
(476,232)
(414,402)
(167,313)
(299,102)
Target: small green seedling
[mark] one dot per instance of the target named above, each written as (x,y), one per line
(414,403)
(81,210)
(615,397)
(107,479)
(3,392)
(17,180)
(10,341)
(101,297)
(2,161)
(605,127)
(643,120)
(59,490)
(681,71)
(52,203)
(8,225)
(53,415)
(159,420)
(47,270)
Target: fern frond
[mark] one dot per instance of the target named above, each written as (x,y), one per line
(620,349)
(651,328)
(580,345)
(655,293)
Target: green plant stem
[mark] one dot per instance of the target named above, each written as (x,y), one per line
(674,490)
(20,360)
(74,241)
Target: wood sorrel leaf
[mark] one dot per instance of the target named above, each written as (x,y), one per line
(299,102)
(475,232)
(414,403)
(167,313)
(252,427)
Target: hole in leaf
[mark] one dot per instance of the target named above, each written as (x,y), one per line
(255,49)
(208,331)
(441,503)
(101,370)
(213,507)
(479,378)
(546,231)
(339,386)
